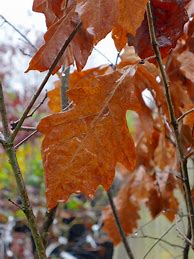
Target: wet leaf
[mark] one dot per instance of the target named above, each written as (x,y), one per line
(82,146)
(94,16)
(169,19)
(79,49)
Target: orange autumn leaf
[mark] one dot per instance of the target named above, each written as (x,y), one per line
(79,49)
(162,199)
(127,209)
(169,17)
(82,146)
(131,14)
(98,16)
(52,9)
(54,97)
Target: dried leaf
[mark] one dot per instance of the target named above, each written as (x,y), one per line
(83,145)
(79,49)
(169,19)
(131,14)
(94,16)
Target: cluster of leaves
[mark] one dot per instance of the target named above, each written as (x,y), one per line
(83,144)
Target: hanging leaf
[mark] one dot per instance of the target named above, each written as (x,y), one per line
(83,145)
(79,49)
(98,16)
(169,19)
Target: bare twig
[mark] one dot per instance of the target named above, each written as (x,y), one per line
(19,32)
(189,154)
(39,90)
(26,206)
(14,124)
(64,86)
(187,245)
(48,221)
(184,237)
(159,239)
(103,55)
(28,128)
(50,215)
(174,123)
(185,114)
(3,113)
(119,226)
(25,139)
(15,204)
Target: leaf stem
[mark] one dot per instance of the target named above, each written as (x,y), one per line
(45,80)
(120,229)
(174,122)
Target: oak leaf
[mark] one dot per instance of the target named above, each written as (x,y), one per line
(98,16)
(79,49)
(82,146)
(130,17)
(169,19)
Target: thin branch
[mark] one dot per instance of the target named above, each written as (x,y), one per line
(187,245)
(185,114)
(64,86)
(174,123)
(14,124)
(189,154)
(15,204)
(28,128)
(3,113)
(184,237)
(120,229)
(49,218)
(26,206)
(117,59)
(19,32)
(103,55)
(25,139)
(159,239)
(39,90)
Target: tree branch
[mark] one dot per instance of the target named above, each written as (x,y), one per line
(26,206)
(120,229)
(158,240)
(19,32)
(49,218)
(185,114)
(25,139)
(14,124)
(64,86)
(39,90)
(3,112)
(174,123)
